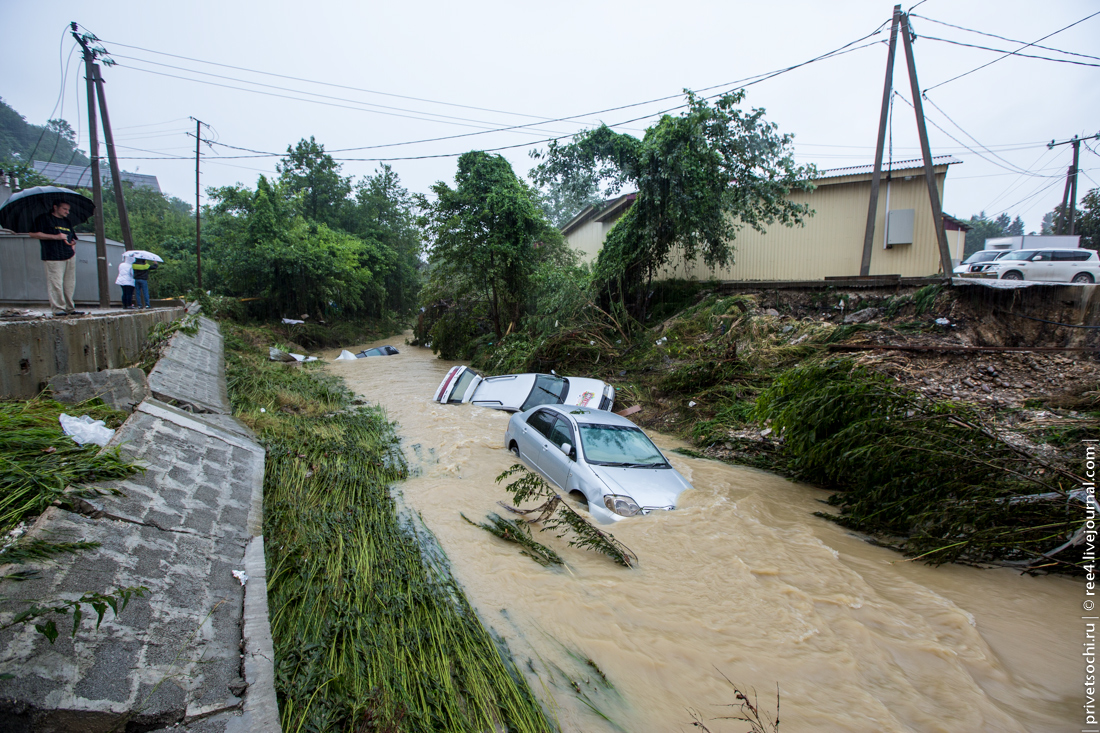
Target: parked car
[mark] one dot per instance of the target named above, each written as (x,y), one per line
(596,457)
(519,392)
(974,262)
(1046,265)
(377,351)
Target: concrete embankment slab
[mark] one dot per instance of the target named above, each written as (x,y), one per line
(191,372)
(193,654)
(31,352)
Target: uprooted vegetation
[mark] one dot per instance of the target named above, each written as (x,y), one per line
(947,455)
(370,630)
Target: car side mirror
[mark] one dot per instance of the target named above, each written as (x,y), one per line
(567,449)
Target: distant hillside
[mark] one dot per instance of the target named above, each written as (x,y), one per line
(53,142)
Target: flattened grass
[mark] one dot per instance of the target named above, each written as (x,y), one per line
(370,633)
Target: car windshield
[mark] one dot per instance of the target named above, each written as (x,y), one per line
(617,445)
(984,255)
(463,384)
(548,390)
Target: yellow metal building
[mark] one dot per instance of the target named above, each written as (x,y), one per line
(830,244)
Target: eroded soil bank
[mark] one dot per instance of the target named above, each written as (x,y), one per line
(741,581)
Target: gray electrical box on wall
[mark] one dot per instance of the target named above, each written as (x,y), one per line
(899,227)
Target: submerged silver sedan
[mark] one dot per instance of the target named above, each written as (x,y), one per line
(596,457)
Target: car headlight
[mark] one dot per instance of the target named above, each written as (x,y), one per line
(622,505)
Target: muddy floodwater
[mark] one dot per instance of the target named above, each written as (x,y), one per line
(740,582)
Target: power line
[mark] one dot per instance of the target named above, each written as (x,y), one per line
(747,81)
(1013,169)
(1011,53)
(312,94)
(61,65)
(1002,38)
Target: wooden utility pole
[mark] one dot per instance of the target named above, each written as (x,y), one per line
(876,177)
(1069,198)
(116,176)
(198,211)
(926,151)
(97,182)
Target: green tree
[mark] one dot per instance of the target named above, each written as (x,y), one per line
(312,178)
(983,228)
(488,236)
(700,178)
(22,142)
(383,213)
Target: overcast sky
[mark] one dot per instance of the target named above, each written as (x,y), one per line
(415,71)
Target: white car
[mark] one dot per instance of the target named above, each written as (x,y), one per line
(596,457)
(519,392)
(1046,265)
(974,262)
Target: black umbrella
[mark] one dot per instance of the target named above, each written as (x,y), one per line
(19,212)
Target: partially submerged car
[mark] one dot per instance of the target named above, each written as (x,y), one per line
(595,457)
(377,351)
(519,392)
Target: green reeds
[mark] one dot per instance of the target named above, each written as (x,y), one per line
(38,461)
(931,474)
(370,633)
(555,515)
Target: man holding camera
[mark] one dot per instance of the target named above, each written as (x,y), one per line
(58,240)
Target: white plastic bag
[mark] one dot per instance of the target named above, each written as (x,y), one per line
(346,355)
(84,429)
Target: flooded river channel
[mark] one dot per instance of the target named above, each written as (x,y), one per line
(741,582)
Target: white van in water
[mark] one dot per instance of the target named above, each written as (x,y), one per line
(519,392)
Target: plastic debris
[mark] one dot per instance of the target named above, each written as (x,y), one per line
(241,576)
(346,355)
(84,429)
(661,341)
(262,409)
(691,403)
(943,321)
(292,321)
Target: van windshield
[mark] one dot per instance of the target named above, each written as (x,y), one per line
(985,255)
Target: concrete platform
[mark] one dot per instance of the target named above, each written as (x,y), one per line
(195,653)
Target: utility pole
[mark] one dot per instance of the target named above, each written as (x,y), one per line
(876,177)
(926,150)
(116,177)
(1069,198)
(198,211)
(901,23)
(97,183)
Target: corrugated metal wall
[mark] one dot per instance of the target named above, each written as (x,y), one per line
(23,279)
(830,244)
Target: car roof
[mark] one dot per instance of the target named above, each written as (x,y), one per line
(590,416)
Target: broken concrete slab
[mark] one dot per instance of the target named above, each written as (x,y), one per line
(195,652)
(122,389)
(191,373)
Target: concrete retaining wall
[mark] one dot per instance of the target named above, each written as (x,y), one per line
(195,653)
(31,352)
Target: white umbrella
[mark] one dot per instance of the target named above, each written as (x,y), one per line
(143,254)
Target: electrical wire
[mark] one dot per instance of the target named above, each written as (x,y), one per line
(1012,53)
(1002,38)
(747,81)
(61,68)
(1013,169)
(956,124)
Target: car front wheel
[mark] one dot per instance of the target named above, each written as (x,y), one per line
(1013,275)
(1082,277)
(514,448)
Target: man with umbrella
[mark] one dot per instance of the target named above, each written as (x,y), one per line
(59,257)
(50,214)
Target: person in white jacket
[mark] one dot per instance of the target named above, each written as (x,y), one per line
(126,280)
